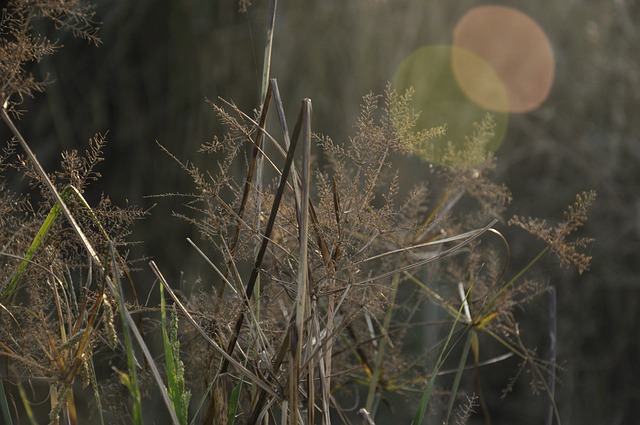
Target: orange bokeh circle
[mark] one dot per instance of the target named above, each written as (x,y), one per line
(438,99)
(517,50)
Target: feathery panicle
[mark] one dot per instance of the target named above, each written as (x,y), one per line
(568,252)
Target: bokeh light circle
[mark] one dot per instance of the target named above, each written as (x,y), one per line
(439,98)
(479,80)
(517,49)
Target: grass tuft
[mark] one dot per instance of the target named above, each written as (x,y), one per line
(333,281)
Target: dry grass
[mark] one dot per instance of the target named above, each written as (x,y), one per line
(328,284)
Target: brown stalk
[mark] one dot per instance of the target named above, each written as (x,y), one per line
(297,340)
(290,342)
(257,147)
(265,241)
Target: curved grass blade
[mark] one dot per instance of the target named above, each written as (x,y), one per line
(35,244)
(467,238)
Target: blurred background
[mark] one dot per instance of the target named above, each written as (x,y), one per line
(573,127)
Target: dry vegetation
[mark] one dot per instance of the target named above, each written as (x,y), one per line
(329,288)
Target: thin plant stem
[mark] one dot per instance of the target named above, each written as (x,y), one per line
(514,279)
(266,66)
(426,395)
(265,241)
(377,369)
(553,330)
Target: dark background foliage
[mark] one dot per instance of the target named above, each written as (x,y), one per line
(160,59)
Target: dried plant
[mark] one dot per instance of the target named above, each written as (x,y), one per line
(555,237)
(329,284)
(362,269)
(21,45)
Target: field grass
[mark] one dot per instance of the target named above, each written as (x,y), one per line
(330,288)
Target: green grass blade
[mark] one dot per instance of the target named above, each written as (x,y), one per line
(458,377)
(235,363)
(130,380)
(4,405)
(168,355)
(203,399)
(426,395)
(131,326)
(175,368)
(33,248)
(27,405)
(46,182)
(233,402)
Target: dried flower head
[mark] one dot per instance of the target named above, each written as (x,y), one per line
(21,45)
(568,252)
